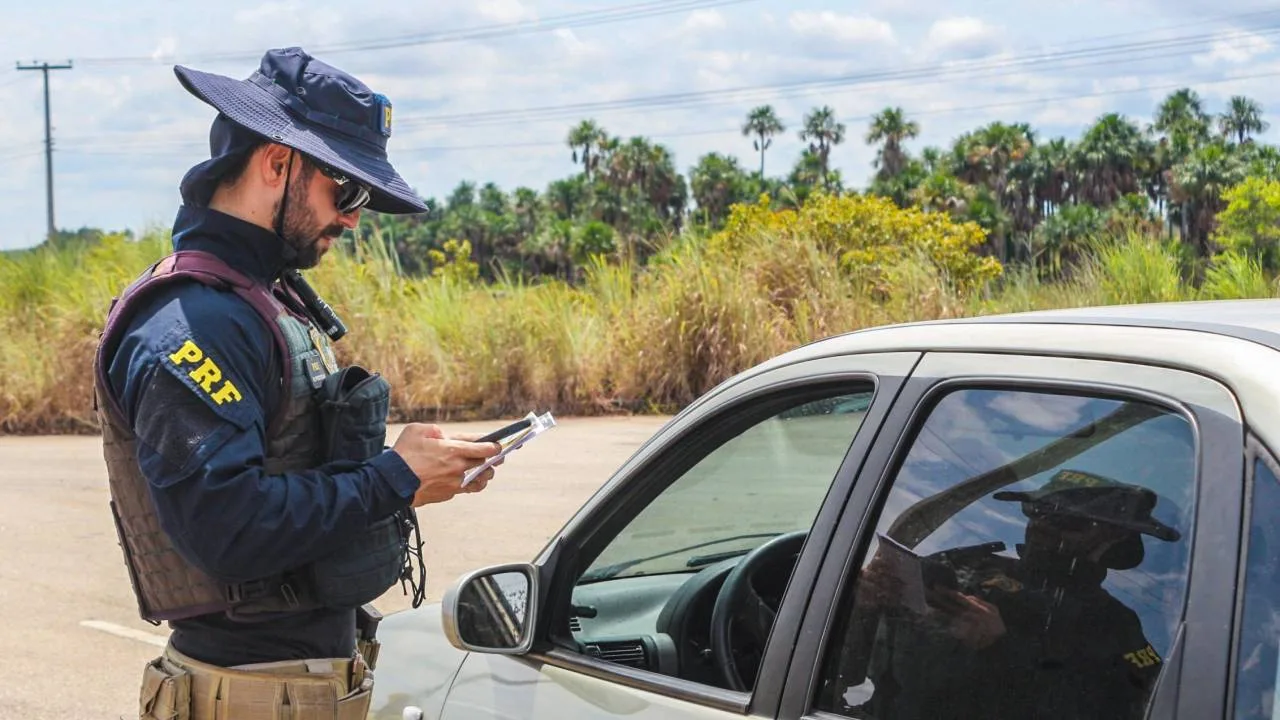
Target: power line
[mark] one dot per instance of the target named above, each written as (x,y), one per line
(1109,55)
(21,155)
(738,130)
(1103,54)
(48,139)
(586,18)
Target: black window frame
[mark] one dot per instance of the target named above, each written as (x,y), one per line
(715,422)
(1255,452)
(1216,524)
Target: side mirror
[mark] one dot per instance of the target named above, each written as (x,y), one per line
(493,610)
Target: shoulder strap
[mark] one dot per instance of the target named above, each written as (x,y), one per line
(205,268)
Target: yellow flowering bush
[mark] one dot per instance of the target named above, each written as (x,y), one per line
(867,235)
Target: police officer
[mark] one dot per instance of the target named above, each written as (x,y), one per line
(1032,636)
(257,505)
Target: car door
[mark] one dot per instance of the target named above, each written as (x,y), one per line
(1033,536)
(629,586)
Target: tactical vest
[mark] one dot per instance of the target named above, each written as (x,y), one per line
(168,587)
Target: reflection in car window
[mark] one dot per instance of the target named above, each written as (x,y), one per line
(1260,630)
(766,481)
(1029,561)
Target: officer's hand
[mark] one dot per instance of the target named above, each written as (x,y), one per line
(974,621)
(877,586)
(440,462)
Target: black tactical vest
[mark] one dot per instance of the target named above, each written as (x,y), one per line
(167,587)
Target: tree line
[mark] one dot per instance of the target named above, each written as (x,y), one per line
(1041,200)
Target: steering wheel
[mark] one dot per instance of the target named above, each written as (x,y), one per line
(739,607)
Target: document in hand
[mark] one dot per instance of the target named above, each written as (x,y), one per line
(538,424)
(908,568)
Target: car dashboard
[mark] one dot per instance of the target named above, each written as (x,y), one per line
(660,623)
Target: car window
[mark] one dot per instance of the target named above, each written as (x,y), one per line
(765,482)
(768,480)
(1029,561)
(1259,645)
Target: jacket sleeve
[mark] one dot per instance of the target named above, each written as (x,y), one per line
(193,373)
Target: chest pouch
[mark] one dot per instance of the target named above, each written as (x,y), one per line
(353,414)
(353,409)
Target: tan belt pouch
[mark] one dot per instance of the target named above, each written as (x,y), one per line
(176,687)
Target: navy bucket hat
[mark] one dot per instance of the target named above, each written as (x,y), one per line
(327,114)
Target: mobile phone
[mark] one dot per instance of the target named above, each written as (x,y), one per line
(507,431)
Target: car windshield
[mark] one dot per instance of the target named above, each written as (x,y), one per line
(768,480)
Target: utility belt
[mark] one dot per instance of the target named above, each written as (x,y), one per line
(177,687)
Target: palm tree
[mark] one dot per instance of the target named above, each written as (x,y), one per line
(1242,118)
(764,124)
(891,127)
(717,183)
(1112,158)
(1198,184)
(823,133)
(1182,119)
(588,136)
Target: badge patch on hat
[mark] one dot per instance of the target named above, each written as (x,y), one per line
(384,114)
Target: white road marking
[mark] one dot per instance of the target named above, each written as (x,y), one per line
(126,632)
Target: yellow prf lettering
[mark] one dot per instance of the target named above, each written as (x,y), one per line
(1146,657)
(207,374)
(187,353)
(228,393)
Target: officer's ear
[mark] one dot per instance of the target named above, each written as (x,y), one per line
(272,160)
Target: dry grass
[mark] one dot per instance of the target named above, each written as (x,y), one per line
(623,340)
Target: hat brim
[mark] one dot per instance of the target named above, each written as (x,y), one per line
(1151,527)
(254,108)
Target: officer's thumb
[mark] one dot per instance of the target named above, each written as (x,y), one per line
(432,432)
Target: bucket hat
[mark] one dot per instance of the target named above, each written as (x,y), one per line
(1088,495)
(328,115)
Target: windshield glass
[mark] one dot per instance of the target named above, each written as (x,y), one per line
(768,480)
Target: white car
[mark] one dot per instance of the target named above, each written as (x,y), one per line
(1069,514)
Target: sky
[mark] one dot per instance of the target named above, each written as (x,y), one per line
(125,131)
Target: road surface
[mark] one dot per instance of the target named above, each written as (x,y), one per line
(74,644)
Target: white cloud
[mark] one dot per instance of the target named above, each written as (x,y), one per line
(506,11)
(155,130)
(1119,83)
(167,47)
(1233,49)
(573,45)
(268,12)
(702,20)
(962,36)
(843,28)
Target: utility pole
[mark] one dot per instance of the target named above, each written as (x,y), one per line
(48,138)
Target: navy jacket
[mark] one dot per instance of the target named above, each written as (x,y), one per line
(214,498)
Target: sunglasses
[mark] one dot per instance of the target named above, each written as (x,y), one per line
(1061,521)
(352,195)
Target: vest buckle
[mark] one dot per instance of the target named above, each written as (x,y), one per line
(246,591)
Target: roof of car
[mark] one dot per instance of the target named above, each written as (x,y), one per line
(1236,342)
(1256,320)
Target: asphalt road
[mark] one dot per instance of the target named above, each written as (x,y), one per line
(74,645)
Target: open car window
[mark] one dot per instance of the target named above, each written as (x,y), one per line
(1029,561)
(647,598)
(766,481)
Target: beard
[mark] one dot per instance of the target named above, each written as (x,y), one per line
(302,232)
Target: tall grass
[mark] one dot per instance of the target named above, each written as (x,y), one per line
(622,339)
